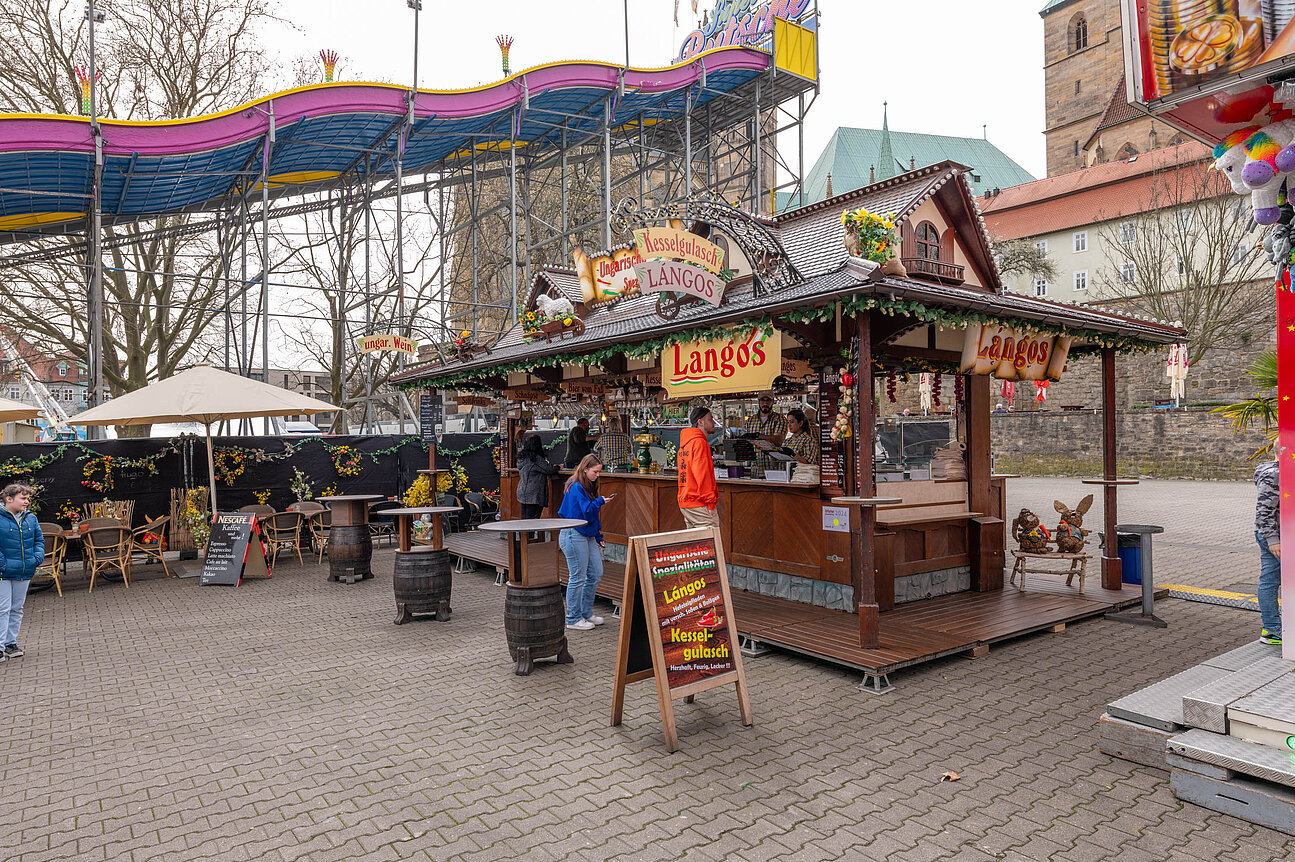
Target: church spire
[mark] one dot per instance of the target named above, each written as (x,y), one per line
(886,158)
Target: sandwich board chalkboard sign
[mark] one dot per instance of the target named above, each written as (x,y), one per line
(234,551)
(677,623)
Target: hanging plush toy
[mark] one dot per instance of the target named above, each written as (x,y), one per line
(1256,160)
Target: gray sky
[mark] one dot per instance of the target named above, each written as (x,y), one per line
(945,66)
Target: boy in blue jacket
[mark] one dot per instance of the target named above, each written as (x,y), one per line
(22,550)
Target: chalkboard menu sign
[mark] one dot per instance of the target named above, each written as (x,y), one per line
(833,455)
(431,415)
(234,550)
(677,623)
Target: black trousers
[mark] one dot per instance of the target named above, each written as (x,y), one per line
(531,510)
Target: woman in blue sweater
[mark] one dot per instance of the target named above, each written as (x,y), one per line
(583,545)
(22,550)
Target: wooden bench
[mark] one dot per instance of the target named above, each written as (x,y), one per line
(1078,566)
(902,514)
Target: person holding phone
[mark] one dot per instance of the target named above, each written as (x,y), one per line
(582,546)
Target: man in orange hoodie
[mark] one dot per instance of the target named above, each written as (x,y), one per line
(697,492)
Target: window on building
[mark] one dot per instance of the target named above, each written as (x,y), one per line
(1128,272)
(1239,253)
(69,395)
(1127,153)
(1240,210)
(1183,220)
(1078,33)
(1081,279)
(1041,245)
(1076,149)
(15,393)
(928,241)
(1081,240)
(1128,232)
(1076,86)
(1040,287)
(61,368)
(1180,266)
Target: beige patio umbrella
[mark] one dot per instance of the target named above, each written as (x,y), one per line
(13,411)
(201,394)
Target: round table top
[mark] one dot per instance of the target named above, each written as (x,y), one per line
(422,510)
(352,498)
(1108,481)
(530,525)
(866,501)
(437,470)
(1148,529)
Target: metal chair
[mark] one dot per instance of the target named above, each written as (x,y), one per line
(108,548)
(283,530)
(379,526)
(320,523)
(55,553)
(141,543)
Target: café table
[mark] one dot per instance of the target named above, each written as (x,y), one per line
(350,547)
(534,613)
(422,576)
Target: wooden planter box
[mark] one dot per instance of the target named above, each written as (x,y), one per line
(556,327)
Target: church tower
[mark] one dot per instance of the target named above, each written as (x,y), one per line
(1088,118)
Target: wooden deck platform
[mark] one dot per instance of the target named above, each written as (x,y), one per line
(912,633)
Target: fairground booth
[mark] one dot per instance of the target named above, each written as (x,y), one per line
(708,303)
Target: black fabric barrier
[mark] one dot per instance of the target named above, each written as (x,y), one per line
(389,475)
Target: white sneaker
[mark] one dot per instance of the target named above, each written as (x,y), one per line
(582,625)
(596,620)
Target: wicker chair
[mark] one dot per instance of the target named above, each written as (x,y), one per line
(320,523)
(261,510)
(55,554)
(283,531)
(106,549)
(141,543)
(307,507)
(120,510)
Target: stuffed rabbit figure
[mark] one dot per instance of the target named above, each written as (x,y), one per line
(1070,532)
(1032,535)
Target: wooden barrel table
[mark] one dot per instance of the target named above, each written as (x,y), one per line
(534,612)
(350,546)
(422,584)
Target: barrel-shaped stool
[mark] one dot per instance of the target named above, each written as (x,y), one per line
(350,553)
(535,626)
(422,583)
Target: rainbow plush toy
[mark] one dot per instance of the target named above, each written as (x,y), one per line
(1257,160)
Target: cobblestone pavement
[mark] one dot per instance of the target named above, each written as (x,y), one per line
(289,719)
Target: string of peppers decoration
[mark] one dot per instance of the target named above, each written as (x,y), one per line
(937,386)
(890,385)
(845,406)
(957,390)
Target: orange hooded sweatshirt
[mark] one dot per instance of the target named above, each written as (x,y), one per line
(696,471)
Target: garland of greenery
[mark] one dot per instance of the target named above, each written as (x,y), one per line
(951,318)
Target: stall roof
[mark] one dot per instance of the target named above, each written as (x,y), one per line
(324,131)
(812,239)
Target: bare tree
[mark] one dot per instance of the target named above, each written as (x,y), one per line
(1022,257)
(161,59)
(1191,253)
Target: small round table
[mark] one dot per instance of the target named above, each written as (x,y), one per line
(1148,616)
(350,547)
(421,578)
(534,613)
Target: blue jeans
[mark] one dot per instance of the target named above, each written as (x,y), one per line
(1270,581)
(13,595)
(585,570)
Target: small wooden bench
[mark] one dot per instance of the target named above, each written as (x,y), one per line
(1078,566)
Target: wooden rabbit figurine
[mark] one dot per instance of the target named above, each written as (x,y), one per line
(1032,535)
(1070,532)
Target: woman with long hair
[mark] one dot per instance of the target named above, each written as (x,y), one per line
(535,468)
(800,442)
(583,546)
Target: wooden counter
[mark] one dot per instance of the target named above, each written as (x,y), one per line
(778,527)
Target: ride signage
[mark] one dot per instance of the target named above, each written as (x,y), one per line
(748,360)
(1012,354)
(677,624)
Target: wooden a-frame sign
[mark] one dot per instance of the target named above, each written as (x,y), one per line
(234,551)
(677,623)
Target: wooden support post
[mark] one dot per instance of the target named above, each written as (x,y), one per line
(984,533)
(1111,575)
(865,579)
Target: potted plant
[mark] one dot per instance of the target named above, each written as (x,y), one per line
(871,236)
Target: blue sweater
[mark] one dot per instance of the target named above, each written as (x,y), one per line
(22,546)
(576,504)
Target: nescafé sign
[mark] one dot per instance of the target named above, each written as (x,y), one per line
(1013,354)
(748,360)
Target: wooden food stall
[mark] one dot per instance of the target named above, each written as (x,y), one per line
(727,304)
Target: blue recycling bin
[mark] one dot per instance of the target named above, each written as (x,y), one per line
(1129,550)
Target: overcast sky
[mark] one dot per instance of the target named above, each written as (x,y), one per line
(945,66)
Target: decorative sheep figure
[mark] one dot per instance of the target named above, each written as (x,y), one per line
(1032,535)
(1070,532)
(555,309)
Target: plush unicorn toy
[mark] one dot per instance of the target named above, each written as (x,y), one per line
(1256,161)
(1230,157)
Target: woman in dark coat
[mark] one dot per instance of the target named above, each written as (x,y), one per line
(535,468)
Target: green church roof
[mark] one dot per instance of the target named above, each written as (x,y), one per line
(851,152)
